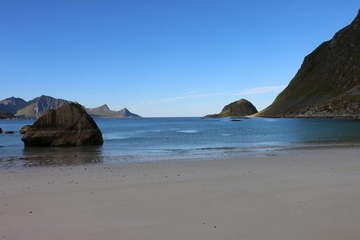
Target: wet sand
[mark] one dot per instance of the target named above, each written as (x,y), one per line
(305,194)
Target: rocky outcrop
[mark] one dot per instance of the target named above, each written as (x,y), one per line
(25,128)
(328,82)
(238,108)
(68,125)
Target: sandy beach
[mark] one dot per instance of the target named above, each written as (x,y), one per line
(304,194)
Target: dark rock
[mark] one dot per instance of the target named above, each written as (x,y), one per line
(25,128)
(1,130)
(68,125)
(9,132)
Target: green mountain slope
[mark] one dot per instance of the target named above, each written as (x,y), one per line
(328,82)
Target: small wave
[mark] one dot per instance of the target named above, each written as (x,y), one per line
(216,148)
(150,131)
(156,130)
(188,131)
(114,138)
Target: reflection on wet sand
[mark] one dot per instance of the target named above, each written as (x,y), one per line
(55,156)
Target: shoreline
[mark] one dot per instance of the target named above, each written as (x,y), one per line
(305,194)
(57,157)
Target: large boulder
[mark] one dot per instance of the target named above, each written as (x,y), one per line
(69,125)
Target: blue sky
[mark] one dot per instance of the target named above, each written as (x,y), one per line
(161,58)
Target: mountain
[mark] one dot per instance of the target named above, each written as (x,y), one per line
(328,81)
(11,104)
(12,101)
(37,107)
(238,108)
(105,112)
(32,109)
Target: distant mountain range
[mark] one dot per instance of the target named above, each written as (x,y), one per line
(104,111)
(20,108)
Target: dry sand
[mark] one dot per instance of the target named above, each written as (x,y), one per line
(312,194)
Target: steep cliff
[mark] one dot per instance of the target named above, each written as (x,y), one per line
(328,82)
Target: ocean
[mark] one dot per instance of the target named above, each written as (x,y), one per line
(152,139)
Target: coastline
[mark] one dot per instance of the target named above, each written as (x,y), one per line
(182,138)
(80,156)
(298,194)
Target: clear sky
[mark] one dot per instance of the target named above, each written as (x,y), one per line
(161,58)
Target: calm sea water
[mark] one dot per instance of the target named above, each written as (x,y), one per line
(149,139)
